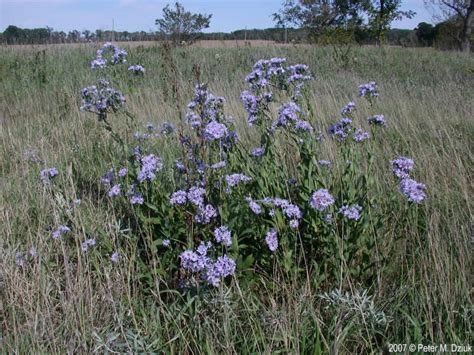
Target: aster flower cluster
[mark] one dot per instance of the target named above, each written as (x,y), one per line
(101,99)
(347,110)
(271,238)
(234,180)
(413,190)
(196,197)
(265,74)
(377,120)
(341,129)
(206,116)
(61,231)
(369,90)
(150,165)
(110,53)
(136,69)
(258,152)
(402,166)
(21,259)
(291,211)
(254,206)
(360,135)
(212,271)
(87,244)
(223,236)
(321,199)
(288,116)
(47,174)
(351,212)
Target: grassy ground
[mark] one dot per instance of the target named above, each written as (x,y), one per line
(58,305)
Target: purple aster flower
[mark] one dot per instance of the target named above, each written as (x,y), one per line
(351,212)
(47,174)
(137,199)
(136,69)
(219,165)
(360,135)
(292,211)
(122,172)
(346,110)
(251,103)
(287,113)
(20,260)
(166,243)
(279,202)
(60,231)
(341,129)
(223,267)
(254,206)
(258,152)
(178,198)
(150,165)
(321,199)
(193,261)
(205,214)
(98,62)
(215,131)
(294,223)
(179,166)
(114,191)
(196,196)
(87,244)
(413,190)
(325,163)
(235,179)
(272,240)
(101,99)
(303,126)
(108,177)
(142,136)
(33,252)
(115,257)
(223,236)
(402,166)
(272,212)
(202,248)
(368,90)
(377,120)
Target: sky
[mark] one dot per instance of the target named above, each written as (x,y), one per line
(140,15)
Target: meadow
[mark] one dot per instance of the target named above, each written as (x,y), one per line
(116,281)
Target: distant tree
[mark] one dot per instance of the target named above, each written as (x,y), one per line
(425,33)
(13,34)
(318,16)
(381,15)
(180,25)
(457,11)
(74,36)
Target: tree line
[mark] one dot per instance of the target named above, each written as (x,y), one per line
(314,21)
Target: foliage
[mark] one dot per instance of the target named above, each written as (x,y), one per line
(426,33)
(382,13)
(461,14)
(319,15)
(181,25)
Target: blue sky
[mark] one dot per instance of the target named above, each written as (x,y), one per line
(134,15)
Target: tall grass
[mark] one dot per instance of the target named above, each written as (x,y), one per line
(74,303)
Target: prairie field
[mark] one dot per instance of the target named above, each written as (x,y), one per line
(402,273)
